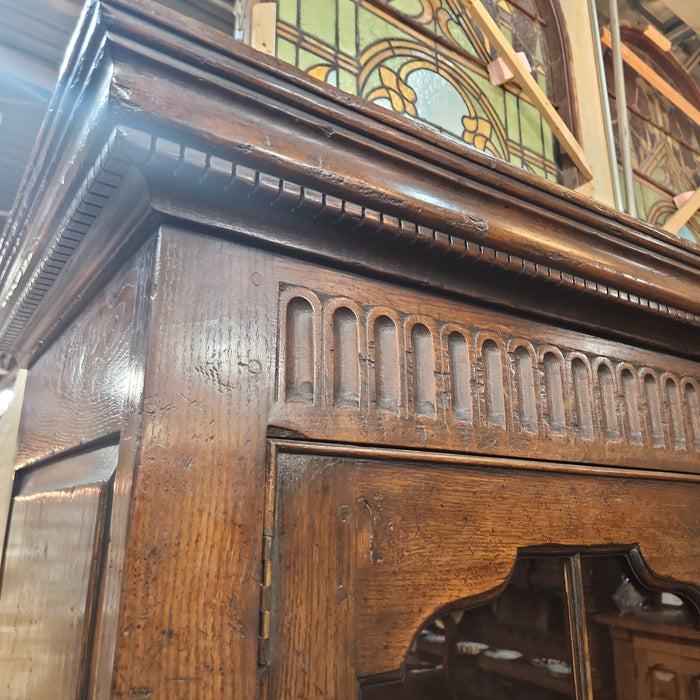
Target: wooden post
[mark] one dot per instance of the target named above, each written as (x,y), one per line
(487,25)
(684,214)
(263,27)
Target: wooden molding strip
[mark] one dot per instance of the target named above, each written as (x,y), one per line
(652,77)
(487,25)
(676,222)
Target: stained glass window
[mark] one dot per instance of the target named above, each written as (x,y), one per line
(664,144)
(427,60)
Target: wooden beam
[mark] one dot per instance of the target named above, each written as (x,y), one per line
(652,33)
(676,221)
(562,133)
(263,27)
(653,78)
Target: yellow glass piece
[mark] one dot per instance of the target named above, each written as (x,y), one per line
(321,71)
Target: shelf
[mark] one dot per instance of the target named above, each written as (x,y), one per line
(524,671)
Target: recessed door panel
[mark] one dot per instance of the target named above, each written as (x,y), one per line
(51,576)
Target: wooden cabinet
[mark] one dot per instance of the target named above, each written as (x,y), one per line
(312,375)
(656,661)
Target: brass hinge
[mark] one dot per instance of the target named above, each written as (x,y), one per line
(265,603)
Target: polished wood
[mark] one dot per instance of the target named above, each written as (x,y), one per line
(192,564)
(346,370)
(406,528)
(83,378)
(51,575)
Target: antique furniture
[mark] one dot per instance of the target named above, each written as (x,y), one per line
(304,374)
(654,660)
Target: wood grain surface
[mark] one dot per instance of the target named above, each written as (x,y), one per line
(80,384)
(425,536)
(190,596)
(51,576)
(430,372)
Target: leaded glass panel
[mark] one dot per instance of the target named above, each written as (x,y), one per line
(426,59)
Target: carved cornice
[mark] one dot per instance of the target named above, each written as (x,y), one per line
(237,120)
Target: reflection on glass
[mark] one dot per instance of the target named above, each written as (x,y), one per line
(517,646)
(644,644)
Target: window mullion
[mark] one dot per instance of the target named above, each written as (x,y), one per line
(578,633)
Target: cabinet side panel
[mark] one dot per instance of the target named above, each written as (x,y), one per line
(76,391)
(51,576)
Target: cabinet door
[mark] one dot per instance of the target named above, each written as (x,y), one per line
(667,670)
(51,576)
(365,545)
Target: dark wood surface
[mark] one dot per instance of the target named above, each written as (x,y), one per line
(409,527)
(191,584)
(83,379)
(426,189)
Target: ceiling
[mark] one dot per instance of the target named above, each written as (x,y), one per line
(34,35)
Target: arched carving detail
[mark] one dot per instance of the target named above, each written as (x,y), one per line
(423,365)
(386,351)
(526,408)
(581,380)
(461,399)
(345,345)
(299,346)
(492,373)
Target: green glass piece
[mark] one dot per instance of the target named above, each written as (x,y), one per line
(531,127)
(639,200)
(308,60)
(512,121)
(347,26)
(538,48)
(371,83)
(372,28)
(287,11)
(459,36)
(412,8)
(537,170)
(347,81)
(548,144)
(286,51)
(319,22)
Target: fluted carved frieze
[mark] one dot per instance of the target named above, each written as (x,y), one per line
(394,373)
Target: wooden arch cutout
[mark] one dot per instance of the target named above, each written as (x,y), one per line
(540,612)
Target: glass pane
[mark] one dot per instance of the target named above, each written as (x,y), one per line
(643,643)
(517,646)
(423,60)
